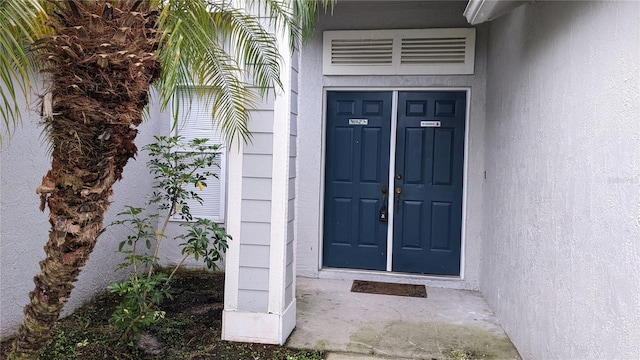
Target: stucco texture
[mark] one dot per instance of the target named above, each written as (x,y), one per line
(24,229)
(359,15)
(562,195)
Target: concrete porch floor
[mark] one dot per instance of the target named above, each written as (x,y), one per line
(448,324)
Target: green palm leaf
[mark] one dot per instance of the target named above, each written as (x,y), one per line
(196,52)
(20,22)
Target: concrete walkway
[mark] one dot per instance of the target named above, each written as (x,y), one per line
(448,324)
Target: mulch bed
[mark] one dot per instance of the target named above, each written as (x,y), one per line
(191,329)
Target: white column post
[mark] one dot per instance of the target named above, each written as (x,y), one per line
(251,322)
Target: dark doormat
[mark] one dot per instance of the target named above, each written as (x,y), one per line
(374,287)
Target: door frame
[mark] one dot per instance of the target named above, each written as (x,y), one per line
(394,119)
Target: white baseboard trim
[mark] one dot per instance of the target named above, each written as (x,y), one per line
(260,328)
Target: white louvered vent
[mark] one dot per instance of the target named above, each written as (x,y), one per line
(418,51)
(362,51)
(399,52)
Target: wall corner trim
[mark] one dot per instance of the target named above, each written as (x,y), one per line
(263,328)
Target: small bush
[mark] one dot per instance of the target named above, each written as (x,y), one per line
(179,171)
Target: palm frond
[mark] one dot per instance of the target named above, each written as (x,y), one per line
(21,21)
(306,10)
(251,45)
(227,53)
(196,52)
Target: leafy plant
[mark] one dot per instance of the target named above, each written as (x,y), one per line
(179,170)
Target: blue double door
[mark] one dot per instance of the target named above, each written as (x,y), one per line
(406,212)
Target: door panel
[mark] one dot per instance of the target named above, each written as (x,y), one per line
(358,136)
(429,170)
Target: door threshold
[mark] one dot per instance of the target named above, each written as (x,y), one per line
(439,281)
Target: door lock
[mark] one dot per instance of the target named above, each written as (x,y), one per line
(383,216)
(398,191)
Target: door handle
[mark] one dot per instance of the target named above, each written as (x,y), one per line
(398,190)
(383,215)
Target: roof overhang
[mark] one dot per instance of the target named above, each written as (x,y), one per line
(479,11)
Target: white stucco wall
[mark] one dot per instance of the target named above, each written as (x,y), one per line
(359,15)
(24,229)
(562,203)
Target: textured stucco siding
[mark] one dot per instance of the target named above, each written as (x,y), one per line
(24,229)
(562,236)
(384,15)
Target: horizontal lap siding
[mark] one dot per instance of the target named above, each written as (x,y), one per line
(261,143)
(256,211)
(257,166)
(256,189)
(288,296)
(250,227)
(253,286)
(253,300)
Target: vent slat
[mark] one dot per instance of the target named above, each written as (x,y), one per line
(433,46)
(361,42)
(365,62)
(385,46)
(433,56)
(432,62)
(356,58)
(461,44)
(439,39)
(362,57)
(431,59)
(433,51)
(335,41)
(435,42)
(356,51)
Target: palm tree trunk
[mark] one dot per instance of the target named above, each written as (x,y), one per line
(100,64)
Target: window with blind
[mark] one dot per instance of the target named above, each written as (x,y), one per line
(194,122)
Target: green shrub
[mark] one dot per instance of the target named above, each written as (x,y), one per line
(179,171)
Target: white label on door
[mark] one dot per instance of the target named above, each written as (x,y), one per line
(430,123)
(358,121)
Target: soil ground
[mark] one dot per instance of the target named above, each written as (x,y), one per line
(191,329)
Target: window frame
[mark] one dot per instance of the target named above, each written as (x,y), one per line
(179,122)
